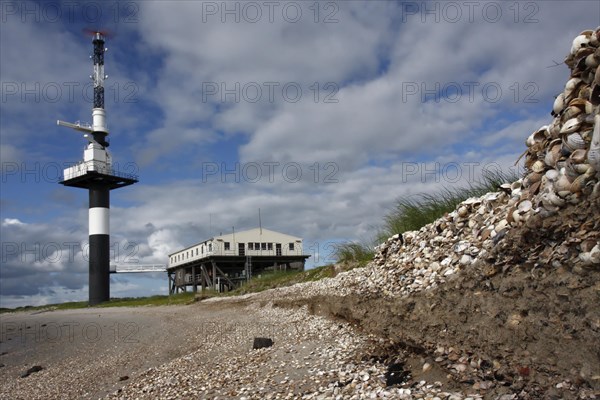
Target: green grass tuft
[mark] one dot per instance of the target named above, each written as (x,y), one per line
(359,254)
(413,212)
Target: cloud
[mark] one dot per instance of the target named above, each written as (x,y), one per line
(392,103)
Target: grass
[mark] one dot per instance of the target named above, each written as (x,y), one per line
(359,254)
(413,212)
(159,300)
(276,279)
(259,283)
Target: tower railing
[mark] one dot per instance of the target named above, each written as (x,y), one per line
(83,167)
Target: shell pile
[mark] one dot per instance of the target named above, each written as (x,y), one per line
(563,162)
(563,158)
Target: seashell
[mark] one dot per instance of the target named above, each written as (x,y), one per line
(595,38)
(501,225)
(492,196)
(578,184)
(516,216)
(570,126)
(571,112)
(538,167)
(593,156)
(571,85)
(591,61)
(583,52)
(524,206)
(552,175)
(551,201)
(578,156)
(554,128)
(460,246)
(559,104)
(582,168)
(562,183)
(506,187)
(570,170)
(537,136)
(578,102)
(588,245)
(472,201)
(462,211)
(553,155)
(579,42)
(533,178)
(589,107)
(574,141)
(533,189)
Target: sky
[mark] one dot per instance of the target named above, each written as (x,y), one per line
(320,114)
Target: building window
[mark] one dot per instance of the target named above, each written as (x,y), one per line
(226,245)
(291,246)
(270,246)
(263,246)
(210,247)
(256,246)
(250,246)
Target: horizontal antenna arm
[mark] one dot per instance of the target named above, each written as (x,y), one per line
(78,127)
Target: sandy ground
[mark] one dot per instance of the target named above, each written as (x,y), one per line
(97,347)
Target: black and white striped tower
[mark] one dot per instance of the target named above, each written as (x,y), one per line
(96,174)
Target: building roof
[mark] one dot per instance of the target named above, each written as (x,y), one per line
(255,234)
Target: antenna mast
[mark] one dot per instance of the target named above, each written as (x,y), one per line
(96,174)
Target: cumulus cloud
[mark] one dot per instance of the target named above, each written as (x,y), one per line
(395,100)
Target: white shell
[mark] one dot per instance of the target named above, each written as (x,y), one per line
(579,42)
(538,166)
(559,103)
(516,216)
(551,200)
(575,142)
(525,206)
(591,61)
(570,86)
(570,126)
(537,136)
(552,175)
(562,183)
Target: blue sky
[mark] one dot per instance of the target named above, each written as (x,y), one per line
(343,105)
